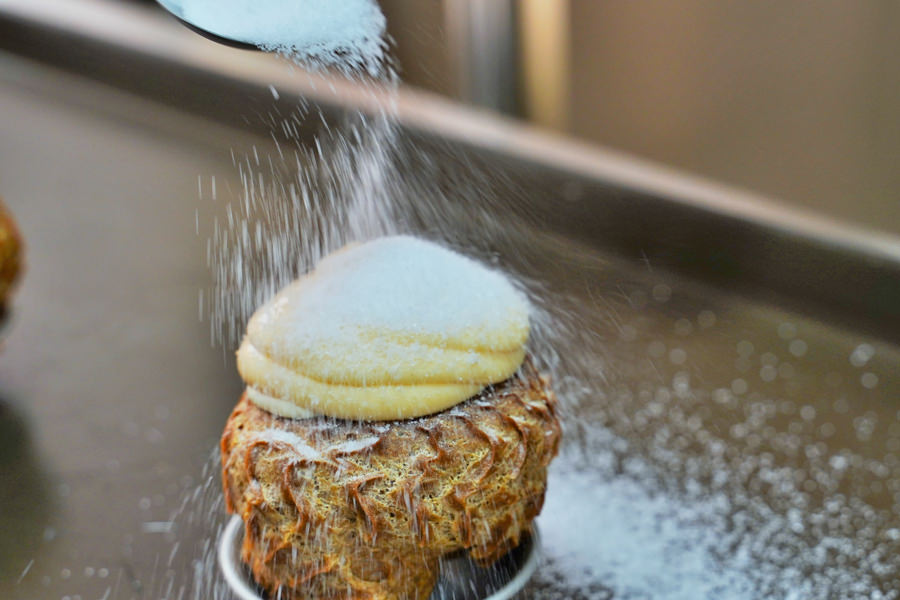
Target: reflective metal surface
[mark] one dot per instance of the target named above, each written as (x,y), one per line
(724,350)
(483,42)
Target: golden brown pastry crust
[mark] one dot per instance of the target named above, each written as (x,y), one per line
(10,255)
(340,509)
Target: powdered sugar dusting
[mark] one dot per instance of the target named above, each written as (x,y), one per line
(353,446)
(403,286)
(294,441)
(639,544)
(306,452)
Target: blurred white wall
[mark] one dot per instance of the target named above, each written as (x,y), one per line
(800,100)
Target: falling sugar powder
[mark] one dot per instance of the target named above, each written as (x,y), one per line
(307,197)
(331,32)
(296,209)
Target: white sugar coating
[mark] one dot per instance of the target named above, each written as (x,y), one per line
(407,286)
(355,445)
(347,31)
(400,293)
(621,537)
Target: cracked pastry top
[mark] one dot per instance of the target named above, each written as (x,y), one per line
(391,329)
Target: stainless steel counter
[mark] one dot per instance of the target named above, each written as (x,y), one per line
(721,353)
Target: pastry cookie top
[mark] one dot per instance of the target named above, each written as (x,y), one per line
(390,329)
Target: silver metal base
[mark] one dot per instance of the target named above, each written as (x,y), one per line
(461,578)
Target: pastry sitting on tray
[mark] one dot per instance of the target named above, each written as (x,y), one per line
(10,256)
(392,416)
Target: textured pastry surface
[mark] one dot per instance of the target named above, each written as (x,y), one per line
(10,254)
(347,509)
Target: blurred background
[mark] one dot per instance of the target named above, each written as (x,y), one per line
(796,100)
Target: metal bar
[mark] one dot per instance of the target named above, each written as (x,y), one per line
(483,46)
